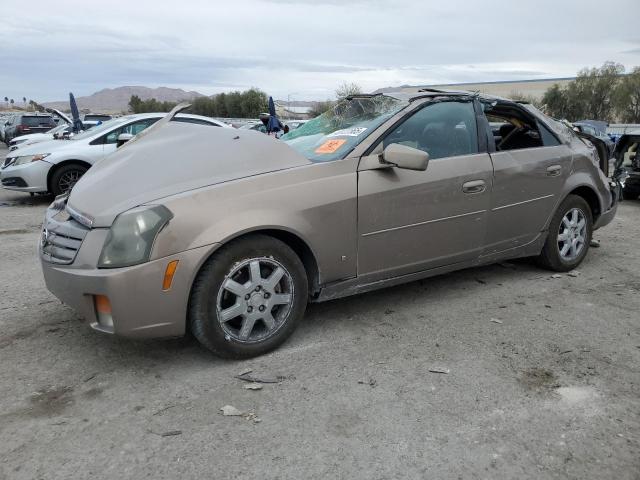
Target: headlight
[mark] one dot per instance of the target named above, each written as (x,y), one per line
(30,158)
(132,235)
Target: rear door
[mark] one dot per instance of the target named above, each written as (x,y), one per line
(410,221)
(526,184)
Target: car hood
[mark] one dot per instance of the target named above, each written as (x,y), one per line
(173,159)
(33,136)
(48,146)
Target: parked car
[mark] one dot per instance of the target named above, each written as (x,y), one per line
(55,166)
(30,139)
(25,123)
(628,163)
(5,122)
(229,233)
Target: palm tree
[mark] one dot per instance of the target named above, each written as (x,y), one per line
(6,101)
(24,102)
(11,102)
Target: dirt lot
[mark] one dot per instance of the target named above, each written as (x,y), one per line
(543,380)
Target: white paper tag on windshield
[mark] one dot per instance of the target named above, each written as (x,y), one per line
(348,132)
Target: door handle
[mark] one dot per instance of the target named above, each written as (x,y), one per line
(474,186)
(554,170)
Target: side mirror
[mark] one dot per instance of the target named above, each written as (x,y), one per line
(405,157)
(123,138)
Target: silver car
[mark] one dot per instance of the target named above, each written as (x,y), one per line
(229,233)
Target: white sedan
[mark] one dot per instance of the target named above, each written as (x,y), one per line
(56,165)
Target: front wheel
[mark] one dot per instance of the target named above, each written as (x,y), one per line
(65,177)
(569,235)
(248,297)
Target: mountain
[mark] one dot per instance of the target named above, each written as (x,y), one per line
(116,100)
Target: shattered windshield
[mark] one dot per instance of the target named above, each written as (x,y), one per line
(336,132)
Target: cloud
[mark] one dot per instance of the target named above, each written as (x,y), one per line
(303,46)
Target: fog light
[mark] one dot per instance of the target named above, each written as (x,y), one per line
(103,311)
(168,274)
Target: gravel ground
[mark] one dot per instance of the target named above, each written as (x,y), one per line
(543,380)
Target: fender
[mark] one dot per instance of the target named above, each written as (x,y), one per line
(325,194)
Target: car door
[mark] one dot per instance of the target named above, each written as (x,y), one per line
(109,141)
(409,221)
(526,185)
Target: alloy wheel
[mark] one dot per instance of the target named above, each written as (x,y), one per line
(572,234)
(68,180)
(254,300)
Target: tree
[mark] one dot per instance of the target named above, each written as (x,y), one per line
(346,89)
(596,87)
(554,102)
(24,101)
(6,101)
(592,95)
(11,102)
(627,97)
(319,108)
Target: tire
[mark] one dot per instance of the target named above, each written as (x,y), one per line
(65,177)
(551,256)
(630,193)
(229,299)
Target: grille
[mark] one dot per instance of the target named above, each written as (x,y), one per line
(61,237)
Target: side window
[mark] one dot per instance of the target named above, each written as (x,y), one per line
(132,128)
(445,129)
(548,138)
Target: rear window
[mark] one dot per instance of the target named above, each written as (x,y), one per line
(102,118)
(38,121)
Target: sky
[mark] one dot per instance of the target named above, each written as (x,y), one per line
(303,49)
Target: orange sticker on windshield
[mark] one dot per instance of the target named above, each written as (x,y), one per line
(330,146)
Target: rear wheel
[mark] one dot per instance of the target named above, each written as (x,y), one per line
(569,235)
(248,297)
(65,177)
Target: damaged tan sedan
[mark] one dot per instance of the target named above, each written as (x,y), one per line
(229,233)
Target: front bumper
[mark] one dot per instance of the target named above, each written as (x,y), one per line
(33,175)
(140,307)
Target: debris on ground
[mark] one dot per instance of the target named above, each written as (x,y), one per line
(480,281)
(252,379)
(594,243)
(171,433)
(168,407)
(508,265)
(573,273)
(495,320)
(439,370)
(246,371)
(231,411)
(253,386)
(371,382)
(556,275)
(566,351)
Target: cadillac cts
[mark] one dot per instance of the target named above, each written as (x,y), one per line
(229,233)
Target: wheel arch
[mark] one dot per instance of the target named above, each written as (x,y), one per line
(591,197)
(293,240)
(59,165)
